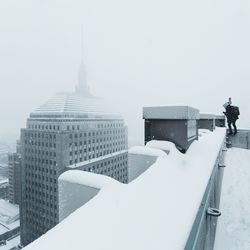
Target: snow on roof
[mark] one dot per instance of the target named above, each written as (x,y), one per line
(4,181)
(88,179)
(8,211)
(170,112)
(11,244)
(203,131)
(141,150)
(166,146)
(155,211)
(9,216)
(8,227)
(74,105)
(207,116)
(220,116)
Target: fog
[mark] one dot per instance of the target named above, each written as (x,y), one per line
(137,53)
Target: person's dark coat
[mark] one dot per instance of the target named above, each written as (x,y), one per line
(230,114)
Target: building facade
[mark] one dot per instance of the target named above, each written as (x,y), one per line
(68,129)
(15,178)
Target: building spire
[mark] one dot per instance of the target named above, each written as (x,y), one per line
(82,87)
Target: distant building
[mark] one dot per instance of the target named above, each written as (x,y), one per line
(4,170)
(71,129)
(9,220)
(15,178)
(4,189)
(4,150)
(18,147)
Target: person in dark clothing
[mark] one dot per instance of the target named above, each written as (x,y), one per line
(232,117)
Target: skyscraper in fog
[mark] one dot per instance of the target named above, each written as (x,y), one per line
(68,129)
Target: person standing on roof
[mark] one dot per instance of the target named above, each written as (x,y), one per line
(232,113)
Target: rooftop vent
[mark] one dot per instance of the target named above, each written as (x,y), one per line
(177,124)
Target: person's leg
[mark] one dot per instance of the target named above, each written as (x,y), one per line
(235,128)
(230,127)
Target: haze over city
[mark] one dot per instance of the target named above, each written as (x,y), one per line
(136,53)
(124,124)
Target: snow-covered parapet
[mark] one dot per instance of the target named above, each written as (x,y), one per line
(77,187)
(155,211)
(140,158)
(165,146)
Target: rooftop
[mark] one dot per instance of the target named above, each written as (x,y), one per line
(8,212)
(9,216)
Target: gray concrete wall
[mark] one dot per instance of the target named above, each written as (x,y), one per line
(72,196)
(138,164)
(241,139)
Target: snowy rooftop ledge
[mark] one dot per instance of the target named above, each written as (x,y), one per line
(155,211)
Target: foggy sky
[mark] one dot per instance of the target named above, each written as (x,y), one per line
(137,53)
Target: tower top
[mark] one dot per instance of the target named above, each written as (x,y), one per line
(82,87)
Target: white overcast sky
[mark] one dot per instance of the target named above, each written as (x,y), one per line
(137,53)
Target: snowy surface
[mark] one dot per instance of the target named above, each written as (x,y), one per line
(219,116)
(163,145)
(4,181)
(170,112)
(207,116)
(146,214)
(233,231)
(11,243)
(87,178)
(141,150)
(9,216)
(8,212)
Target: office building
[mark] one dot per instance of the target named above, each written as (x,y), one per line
(14,178)
(68,130)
